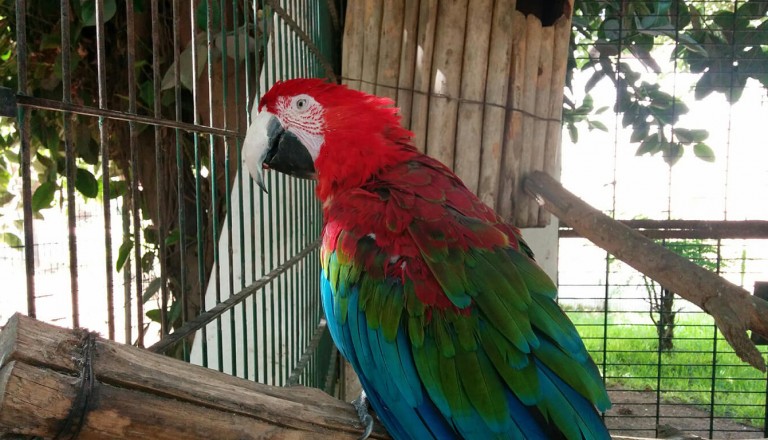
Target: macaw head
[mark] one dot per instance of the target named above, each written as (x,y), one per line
(313,129)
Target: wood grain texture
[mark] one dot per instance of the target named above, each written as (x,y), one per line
(469,123)
(352,46)
(407,60)
(422,72)
(389,49)
(496,94)
(301,412)
(446,79)
(372,16)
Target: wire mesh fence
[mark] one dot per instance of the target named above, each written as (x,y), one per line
(137,219)
(659,72)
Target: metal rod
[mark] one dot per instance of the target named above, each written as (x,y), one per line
(70,166)
(309,353)
(104,146)
(208,316)
(160,177)
(136,197)
(50,104)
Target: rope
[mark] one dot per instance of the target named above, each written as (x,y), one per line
(460,100)
(79,409)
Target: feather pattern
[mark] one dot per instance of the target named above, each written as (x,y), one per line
(436,302)
(446,317)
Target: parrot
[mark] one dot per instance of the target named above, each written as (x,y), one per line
(434,299)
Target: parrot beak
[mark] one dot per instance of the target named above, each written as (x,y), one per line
(268,145)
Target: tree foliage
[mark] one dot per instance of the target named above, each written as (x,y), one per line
(726,43)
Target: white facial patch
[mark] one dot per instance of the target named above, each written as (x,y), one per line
(304,117)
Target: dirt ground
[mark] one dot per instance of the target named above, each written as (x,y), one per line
(634,414)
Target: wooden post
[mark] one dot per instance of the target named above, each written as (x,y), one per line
(735,310)
(352,49)
(469,124)
(389,49)
(371,39)
(425,40)
(50,375)
(496,93)
(407,61)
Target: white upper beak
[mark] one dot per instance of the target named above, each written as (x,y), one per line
(256,146)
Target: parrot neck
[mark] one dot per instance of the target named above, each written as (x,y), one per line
(345,163)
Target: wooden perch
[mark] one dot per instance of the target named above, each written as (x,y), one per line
(735,310)
(55,380)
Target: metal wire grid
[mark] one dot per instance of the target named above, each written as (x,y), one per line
(609,301)
(274,334)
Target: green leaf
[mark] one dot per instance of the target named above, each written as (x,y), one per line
(687,136)
(650,145)
(123,253)
(173,237)
(88,11)
(573,132)
(151,289)
(597,125)
(153,315)
(12,240)
(43,196)
(117,188)
(704,152)
(673,152)
(86,183)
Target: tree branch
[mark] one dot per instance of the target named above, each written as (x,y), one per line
(735,310)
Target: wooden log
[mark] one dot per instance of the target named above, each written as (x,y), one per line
(734,309)
(555,128)
(496,93)
(407,61)
(298,411)
(541,112)
(469,124)
(374,10)
(389,49)
(352,47)
(513,137)
(37,401)
(446,79)
(423,71)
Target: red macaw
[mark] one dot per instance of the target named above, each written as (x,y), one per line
(435,300)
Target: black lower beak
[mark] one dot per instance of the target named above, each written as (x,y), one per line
(287,153)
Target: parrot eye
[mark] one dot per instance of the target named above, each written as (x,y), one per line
(300,104)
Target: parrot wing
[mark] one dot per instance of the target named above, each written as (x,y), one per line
(451,326)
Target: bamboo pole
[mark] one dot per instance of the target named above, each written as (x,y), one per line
(132,387)
(422,72)
(514,126)
(555,129)
(446,79)
(352,48)
(496,93)
(389,49)
(371,39)
(734,309)
(407,61)
(524,149)
(469,123)
(539,139)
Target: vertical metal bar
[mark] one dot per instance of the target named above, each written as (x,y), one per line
(160,175)
(198,188)
(136,197)
(713,377)
(106,193)
(212,175)
(22,118)
(239,172)
(227,187)
(69,160)
(180,186)
(126,222)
